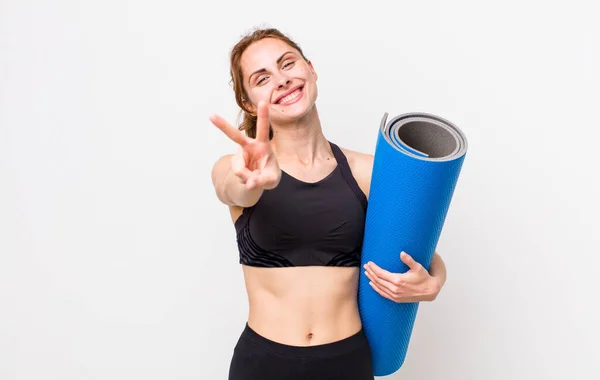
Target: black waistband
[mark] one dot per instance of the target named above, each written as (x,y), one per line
(320,351)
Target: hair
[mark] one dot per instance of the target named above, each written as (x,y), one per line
(248,123)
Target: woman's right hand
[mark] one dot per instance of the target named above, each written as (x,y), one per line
(254,163)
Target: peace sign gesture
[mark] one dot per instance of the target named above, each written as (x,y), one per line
(254,162)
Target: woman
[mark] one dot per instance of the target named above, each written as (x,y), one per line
(298,204)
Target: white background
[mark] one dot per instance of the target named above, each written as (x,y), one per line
(118,262)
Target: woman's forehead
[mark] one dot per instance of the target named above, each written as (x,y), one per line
(263,53)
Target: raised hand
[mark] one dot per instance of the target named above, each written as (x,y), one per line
(254,162)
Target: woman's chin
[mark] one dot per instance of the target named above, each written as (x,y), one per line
(291,115)
(292,112)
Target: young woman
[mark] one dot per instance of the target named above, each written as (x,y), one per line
(298,203)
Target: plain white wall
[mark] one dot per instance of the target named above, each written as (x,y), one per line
(118,262)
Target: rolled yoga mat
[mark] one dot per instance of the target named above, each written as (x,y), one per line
(417,162)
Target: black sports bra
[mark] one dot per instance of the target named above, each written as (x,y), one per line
(301,223)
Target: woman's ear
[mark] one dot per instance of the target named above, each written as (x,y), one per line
(249,107)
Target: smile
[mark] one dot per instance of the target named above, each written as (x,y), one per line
(291,98)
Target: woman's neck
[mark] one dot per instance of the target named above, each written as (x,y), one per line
(302,142)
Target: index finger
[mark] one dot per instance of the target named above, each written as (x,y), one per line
(262,122)
(380,272)
(229,130)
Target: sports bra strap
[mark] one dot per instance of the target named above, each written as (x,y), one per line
(342,161)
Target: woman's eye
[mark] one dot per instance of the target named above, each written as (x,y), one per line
(288,64)
(262,79)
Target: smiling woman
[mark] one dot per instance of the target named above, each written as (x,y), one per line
(298,204)
(290,60)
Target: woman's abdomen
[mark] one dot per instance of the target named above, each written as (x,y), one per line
(303,306)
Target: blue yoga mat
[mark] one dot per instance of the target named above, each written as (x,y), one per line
(417,162)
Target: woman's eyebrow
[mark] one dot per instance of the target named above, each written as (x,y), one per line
(278,61)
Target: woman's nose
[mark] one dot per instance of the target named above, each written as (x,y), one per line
(284,81)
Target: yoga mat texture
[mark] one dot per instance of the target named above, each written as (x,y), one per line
(417,162)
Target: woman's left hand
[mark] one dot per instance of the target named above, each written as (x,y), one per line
(415,285)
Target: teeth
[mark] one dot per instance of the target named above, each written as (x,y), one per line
(290,97)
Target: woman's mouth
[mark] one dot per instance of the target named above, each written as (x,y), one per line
(291,98)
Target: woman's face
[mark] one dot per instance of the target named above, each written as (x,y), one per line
(276,73)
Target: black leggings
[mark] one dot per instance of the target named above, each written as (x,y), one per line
(258,358)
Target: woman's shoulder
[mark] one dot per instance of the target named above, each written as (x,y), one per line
(361,165)
(356,157)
